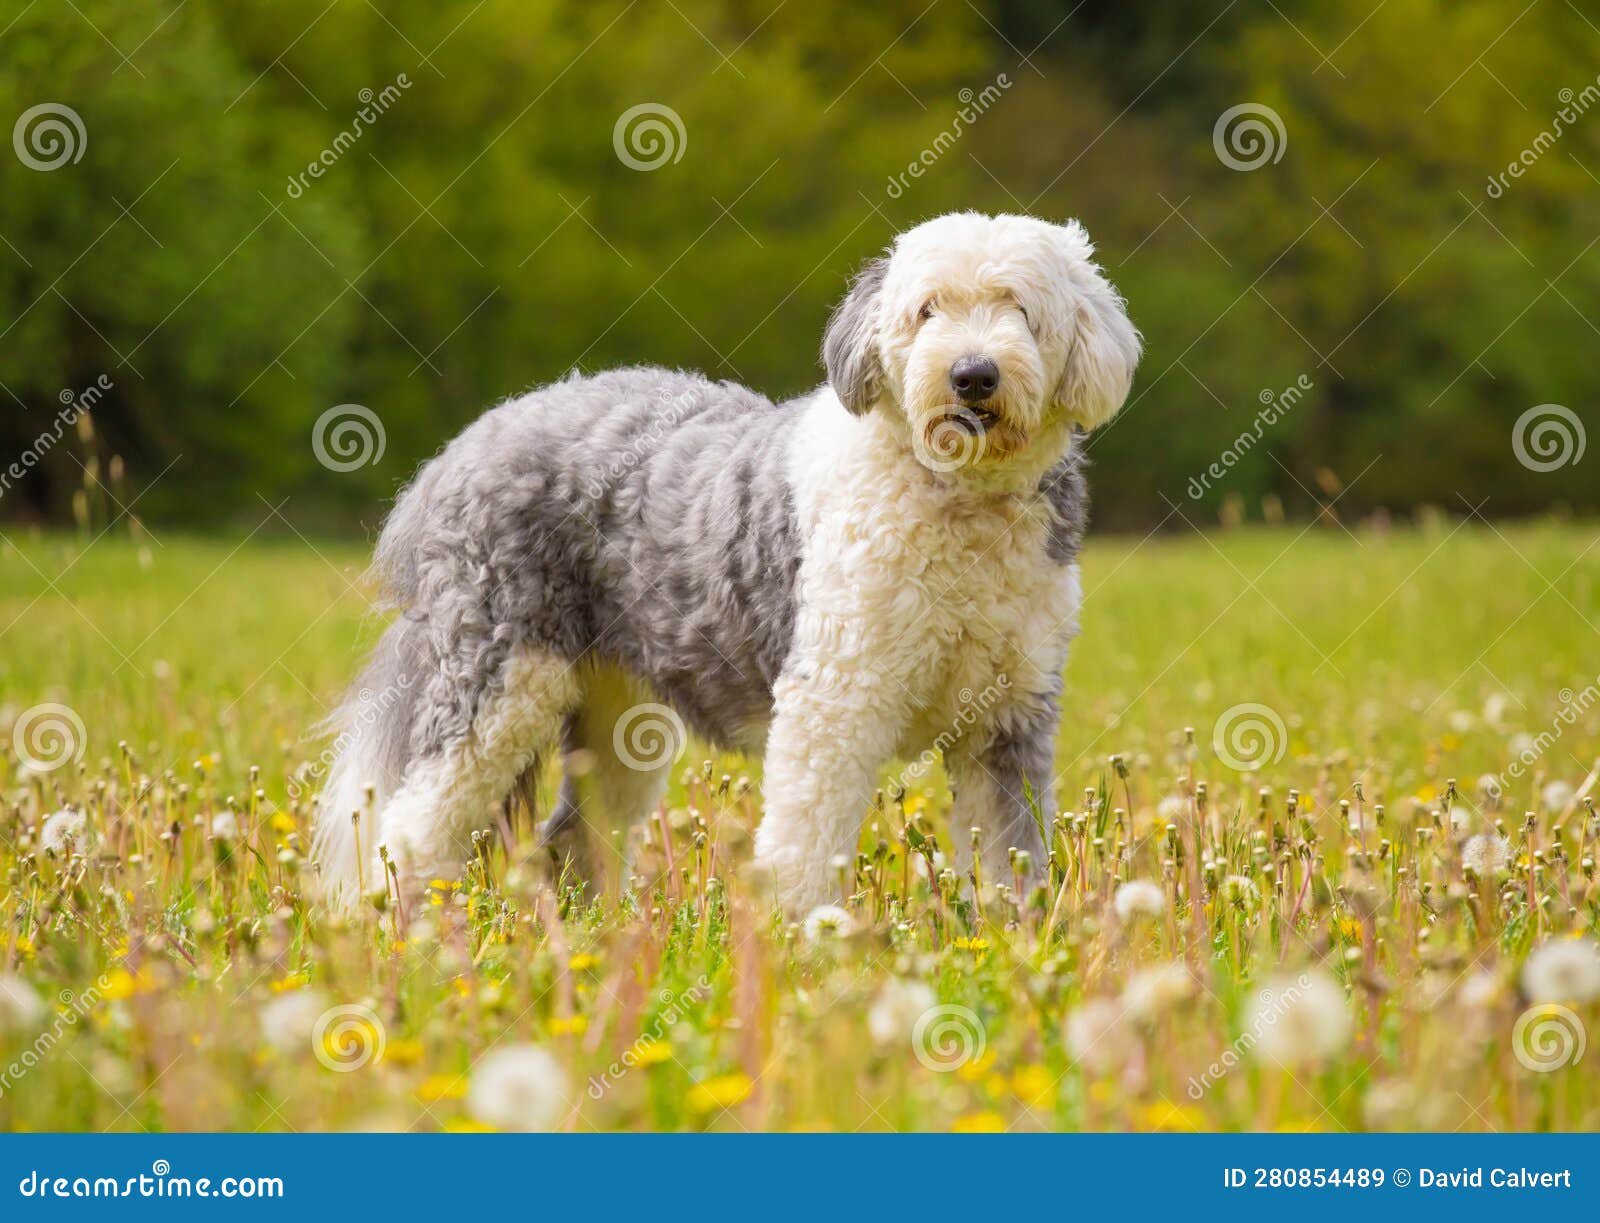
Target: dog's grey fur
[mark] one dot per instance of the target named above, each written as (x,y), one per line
(640,518)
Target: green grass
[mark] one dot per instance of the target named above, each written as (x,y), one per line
(1396,660)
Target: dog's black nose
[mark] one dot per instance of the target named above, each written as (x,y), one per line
(974,379)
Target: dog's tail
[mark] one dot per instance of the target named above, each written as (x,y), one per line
(371,729)
(371,733)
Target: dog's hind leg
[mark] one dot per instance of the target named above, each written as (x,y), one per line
(1003,791)
(456,789)
(620,748)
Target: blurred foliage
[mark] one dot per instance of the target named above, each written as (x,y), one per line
(482,234)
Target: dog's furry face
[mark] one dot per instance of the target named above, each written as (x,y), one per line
(988,337)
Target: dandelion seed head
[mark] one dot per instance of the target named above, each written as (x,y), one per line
(1486,854)
(1100,1036)
(21,1008)
(1302,1019)
(1556,795)
(1139,898)
(896,1009)
(828,922)
(1151,992)
(1479,991)
(64,832)
(287,1020)
(1562,970)
(518,1087)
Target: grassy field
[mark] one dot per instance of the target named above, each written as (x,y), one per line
(1323,929)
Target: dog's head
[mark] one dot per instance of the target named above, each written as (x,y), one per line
(987,336)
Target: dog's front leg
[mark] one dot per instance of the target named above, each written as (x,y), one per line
(831,730)
(1004,788)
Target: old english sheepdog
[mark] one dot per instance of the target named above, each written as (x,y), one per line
(827,580)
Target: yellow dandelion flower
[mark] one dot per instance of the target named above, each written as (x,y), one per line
(442,1087)
(294,981)
(971,944)
(574,1025)
(650,1052)
(120,984)
(1298,1125)
(721,1091)
(1034,1085)
(462,986)
(974,1070)
(979,1123)
(583,963)
(24,947)
(404,1051)
(466,1125)
(339,1042)
(281,822)
(1168,1117)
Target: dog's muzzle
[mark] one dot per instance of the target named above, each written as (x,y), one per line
(974,379)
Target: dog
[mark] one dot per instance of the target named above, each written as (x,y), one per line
(604,563)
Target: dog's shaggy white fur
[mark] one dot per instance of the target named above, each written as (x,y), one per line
(834,577)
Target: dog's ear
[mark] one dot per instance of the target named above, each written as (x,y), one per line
(1103,346)
(850,343)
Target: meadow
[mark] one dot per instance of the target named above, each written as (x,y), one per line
(1325,862)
